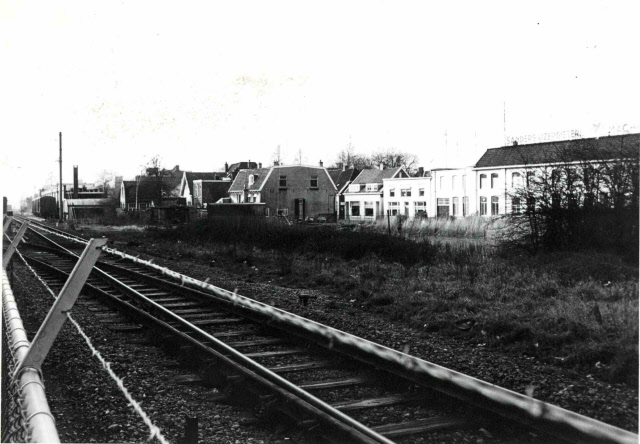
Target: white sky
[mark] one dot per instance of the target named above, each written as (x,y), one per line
(201,83)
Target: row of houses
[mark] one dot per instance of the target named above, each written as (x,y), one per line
(306,191)
(488,188)
(300,192)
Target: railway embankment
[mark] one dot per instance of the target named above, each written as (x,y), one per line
(524,323)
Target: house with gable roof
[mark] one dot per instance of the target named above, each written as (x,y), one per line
(363,199)
(296,191)
(207,184)
(342,177)
(501,171)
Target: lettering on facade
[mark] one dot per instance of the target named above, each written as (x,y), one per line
(545,137)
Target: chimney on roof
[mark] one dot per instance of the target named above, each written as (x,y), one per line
(344,166)
(420,172)
(321,164)
(226,167)
(515,143)
(381,166)
(259,164)
(75,181)
(276,163)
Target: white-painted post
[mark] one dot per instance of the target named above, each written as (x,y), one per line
(6,257)
(54,321)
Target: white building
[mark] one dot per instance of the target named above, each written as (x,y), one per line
(454,192)
(501,171)
(408,196)
(364,197)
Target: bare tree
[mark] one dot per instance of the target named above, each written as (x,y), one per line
(587,197)
(393,158)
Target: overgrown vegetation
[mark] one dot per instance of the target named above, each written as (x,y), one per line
(586,200)
(575,309)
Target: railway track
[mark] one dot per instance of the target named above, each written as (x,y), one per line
(333,386)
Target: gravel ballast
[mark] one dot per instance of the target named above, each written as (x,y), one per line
(78,389)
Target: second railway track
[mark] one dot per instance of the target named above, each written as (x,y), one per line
(333,391)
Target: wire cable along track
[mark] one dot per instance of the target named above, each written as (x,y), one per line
(334,386)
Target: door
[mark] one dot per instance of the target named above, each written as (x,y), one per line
(299,210)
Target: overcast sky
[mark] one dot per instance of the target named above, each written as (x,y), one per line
(201,83)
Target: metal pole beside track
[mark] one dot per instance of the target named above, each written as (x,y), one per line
(56,317)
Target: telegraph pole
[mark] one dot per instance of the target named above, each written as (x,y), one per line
(61,195)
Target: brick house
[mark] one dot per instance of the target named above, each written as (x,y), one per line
(296,191)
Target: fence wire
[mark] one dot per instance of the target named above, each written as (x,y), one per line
(14,426)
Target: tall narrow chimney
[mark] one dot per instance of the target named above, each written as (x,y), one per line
(75,181)
(259,164)
(226,167)
(381,166)
(321,164)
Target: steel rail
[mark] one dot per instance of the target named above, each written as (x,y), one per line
(549,418)
(313,405)
(41,426)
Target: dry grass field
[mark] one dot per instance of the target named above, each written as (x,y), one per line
(574,309)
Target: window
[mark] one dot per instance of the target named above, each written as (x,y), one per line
(443,207)
(483,181)
(464,182)
(420,207)
(372,187)
(421,192)
(454,180)
(368,209)
(441,182)
(465,206)
(392,192)
(516,180)
(355,208)
(494,180)
(393,208)
(531,176)
(283,211)
(314,182)
(531,204)
(405,192)
(515,205)
(283,181)
(483,206)
(251,179)
(456,205)
(495,208)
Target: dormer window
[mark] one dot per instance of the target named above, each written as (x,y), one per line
(314,182)
(252,179)
(372,187)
